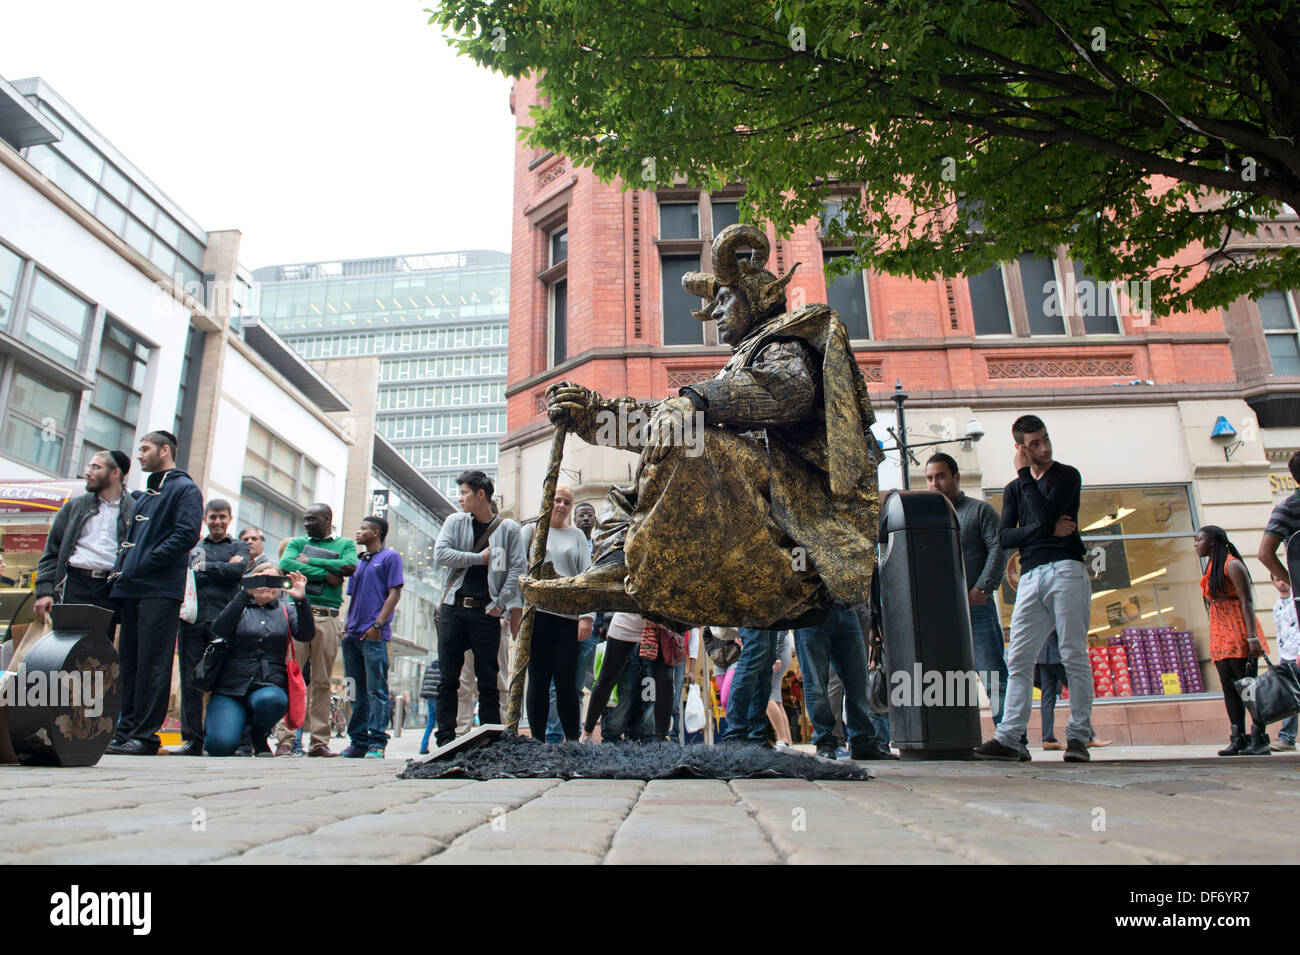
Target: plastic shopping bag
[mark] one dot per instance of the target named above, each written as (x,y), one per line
(695,715)
(190,605)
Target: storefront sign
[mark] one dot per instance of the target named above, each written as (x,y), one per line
(1171,684)
(1281,485)
(36,497)
(24,543)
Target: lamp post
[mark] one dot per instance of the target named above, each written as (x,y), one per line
(904,448)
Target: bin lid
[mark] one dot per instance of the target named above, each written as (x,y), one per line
(916,510)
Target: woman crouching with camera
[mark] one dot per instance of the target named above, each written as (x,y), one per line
(250,687)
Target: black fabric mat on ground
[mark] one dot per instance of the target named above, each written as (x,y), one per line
(514,756)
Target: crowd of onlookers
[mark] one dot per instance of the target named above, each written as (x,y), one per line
(263,634)
(257,637)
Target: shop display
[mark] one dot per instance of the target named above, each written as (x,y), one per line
(1152,655)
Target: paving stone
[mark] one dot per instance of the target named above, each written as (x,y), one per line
(536,833)
(391,849)
(465,856)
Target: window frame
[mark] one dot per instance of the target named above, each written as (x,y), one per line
(1293,312)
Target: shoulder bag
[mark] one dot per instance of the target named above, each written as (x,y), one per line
(1273,696)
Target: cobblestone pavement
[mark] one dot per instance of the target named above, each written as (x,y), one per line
(1135,805)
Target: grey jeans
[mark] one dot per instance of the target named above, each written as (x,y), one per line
(1050,596)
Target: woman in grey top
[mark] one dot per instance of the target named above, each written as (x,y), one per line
(554,653)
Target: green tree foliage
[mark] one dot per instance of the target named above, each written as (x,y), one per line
(1006,127)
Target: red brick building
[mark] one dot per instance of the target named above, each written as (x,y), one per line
(596,299)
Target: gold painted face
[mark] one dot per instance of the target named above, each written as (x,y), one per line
(733,315)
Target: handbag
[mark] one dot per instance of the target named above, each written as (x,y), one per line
(723,653)
(209,666)
(297,713)
(1273,696)
(190,604)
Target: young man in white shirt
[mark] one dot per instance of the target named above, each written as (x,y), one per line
(1288,643)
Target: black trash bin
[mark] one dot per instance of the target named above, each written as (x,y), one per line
(925,622)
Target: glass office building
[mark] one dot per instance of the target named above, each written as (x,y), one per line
(437,323)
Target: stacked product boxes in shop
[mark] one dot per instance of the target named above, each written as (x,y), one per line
(1154,651)
(1110,673)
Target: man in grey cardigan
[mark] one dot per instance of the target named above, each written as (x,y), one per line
(481,585)
(84,539)
(984,560)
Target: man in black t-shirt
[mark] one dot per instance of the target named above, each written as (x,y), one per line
(1040,513)
(1282,523)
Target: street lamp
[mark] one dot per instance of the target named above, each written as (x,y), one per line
(974,431)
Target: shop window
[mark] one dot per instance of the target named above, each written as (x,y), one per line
(1140,559)
(1277,315)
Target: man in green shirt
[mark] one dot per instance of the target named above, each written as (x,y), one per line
(325,593)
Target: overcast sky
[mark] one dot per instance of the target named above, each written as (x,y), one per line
(327,129)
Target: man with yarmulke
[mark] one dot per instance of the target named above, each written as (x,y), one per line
(84,539)
(149,580)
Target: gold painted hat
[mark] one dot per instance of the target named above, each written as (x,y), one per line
(764,291)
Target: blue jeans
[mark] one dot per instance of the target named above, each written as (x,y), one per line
(365,663)
(986,635)
(431,721)
(751,686)
(228,715)
(1287,731)
(838,641)
(1054,595)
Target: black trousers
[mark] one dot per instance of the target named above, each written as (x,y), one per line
(461,629)
(83,589)
(146,644)
(193,638)
(553,655)
(618,653)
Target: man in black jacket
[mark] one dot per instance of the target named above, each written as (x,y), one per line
(150,583)
(1040,514)
(83,542)
(219,564)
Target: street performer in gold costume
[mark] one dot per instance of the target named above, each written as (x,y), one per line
(755,502)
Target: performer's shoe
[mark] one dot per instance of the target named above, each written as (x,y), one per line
(598,588)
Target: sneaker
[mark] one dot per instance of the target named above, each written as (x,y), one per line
(782,744)
(244,750)
(1024,754)
(1053,744)
(1282,746)
(995,750)
(873,751)
(353,752)
(842,753)
(375,752)
(261,747)
(284,749)
(1076,751)
(827,752)
(298,754)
